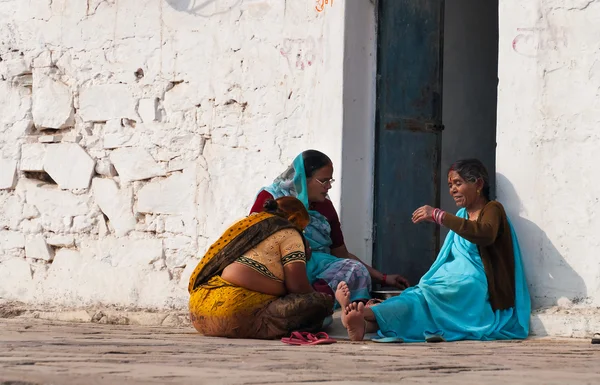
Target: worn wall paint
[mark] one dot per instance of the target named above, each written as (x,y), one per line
(548,117)
(173,101)
(133,132)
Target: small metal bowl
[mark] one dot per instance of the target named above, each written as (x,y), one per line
(385,294)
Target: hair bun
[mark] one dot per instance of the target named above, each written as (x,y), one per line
(270,205)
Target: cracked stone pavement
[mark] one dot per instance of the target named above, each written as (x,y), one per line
(50,352)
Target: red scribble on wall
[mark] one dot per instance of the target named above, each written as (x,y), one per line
(300,52)
(531,41)
(525,43)
(321,4)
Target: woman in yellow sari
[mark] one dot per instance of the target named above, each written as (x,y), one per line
(252,282)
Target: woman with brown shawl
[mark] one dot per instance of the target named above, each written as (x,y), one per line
(475,290)
(252,282)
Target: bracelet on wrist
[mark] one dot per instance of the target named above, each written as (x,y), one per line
(438,216)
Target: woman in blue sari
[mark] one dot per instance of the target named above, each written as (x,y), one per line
(309,178)
(476,288)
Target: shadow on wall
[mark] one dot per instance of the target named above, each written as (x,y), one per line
(552,281)
(205,8)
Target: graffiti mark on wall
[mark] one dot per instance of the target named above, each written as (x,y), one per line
(299,53)
(320,7)
(530,42)
(204,8)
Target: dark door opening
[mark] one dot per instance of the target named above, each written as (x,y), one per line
(429,51)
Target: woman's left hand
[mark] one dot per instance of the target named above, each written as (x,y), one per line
(397,281)
(423,214)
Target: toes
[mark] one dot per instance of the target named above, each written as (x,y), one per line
(353,306)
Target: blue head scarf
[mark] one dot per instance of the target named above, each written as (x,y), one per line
(293,183)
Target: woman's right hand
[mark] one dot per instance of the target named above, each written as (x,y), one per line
(423,214)
(397,281)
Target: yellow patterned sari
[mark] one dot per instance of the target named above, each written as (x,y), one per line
(221,309)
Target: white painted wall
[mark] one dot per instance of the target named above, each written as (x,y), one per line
(547,156)
(166,117)
(358,143)
(231,91)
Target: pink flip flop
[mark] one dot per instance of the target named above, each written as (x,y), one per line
(305,338)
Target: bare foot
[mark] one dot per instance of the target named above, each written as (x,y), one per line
(355,320)
(342,295)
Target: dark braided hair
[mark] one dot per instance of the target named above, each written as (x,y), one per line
(471,170)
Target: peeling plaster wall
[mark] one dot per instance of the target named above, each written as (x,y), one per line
(547,154)
(133,132)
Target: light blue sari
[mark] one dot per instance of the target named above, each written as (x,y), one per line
(452,300)
(322,264)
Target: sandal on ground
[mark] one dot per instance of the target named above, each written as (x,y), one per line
(381,338)
(433,338)
(596,339)
(305,338)
(388,340)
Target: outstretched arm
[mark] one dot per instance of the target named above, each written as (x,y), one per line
(482,232)
(384,279)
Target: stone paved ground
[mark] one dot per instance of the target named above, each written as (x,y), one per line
(45,352)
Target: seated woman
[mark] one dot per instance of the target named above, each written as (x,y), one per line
(476,288)
(252,282)
(309,179)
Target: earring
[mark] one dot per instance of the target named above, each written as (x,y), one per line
(478,192)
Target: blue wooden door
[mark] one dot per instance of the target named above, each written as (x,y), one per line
(408,137)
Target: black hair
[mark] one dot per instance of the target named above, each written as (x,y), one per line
(270,206)
(313,161)
(472,170)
